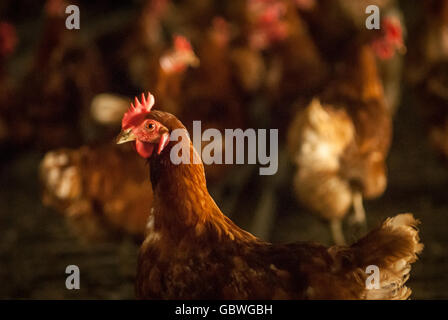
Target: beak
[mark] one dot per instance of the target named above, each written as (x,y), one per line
(125,136)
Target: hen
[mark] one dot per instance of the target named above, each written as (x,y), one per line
(139,53)
(100,199)
(193,251)
(333,24)
(339,143)
(65,75)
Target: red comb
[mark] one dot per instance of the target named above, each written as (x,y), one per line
(390,40)
(393,30)
(137,112)
(181,43)
(179,57)
(269,25)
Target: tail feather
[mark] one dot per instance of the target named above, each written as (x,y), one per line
(392,247)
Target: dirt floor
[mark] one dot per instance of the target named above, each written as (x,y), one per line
(36,245)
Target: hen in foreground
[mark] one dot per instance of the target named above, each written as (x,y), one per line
(193,251)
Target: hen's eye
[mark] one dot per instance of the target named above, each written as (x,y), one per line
(150,126)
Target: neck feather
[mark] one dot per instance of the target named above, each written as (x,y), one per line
(182,204)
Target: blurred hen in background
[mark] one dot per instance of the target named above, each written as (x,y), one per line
(101,190)
(311,66)
(333,24)
(341,140)
(427,72)
(65,75)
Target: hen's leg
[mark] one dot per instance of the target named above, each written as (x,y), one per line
(336,232)
(359,216)
(358,225)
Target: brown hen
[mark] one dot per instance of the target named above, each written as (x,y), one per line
(193,251)
(339,143)
(65,75)
(100,190)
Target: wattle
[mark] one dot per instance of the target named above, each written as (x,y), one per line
(144,149)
